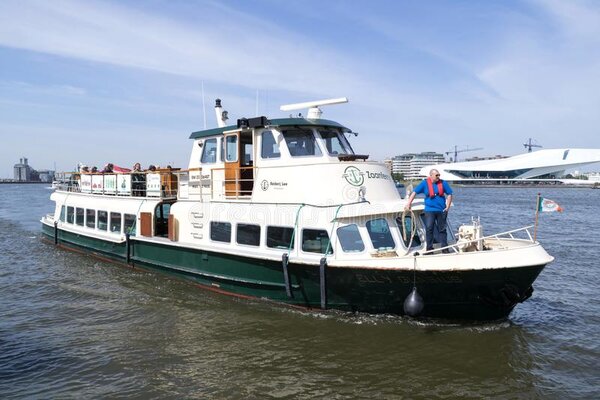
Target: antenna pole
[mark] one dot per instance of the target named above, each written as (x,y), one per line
(203,106)
(256,113)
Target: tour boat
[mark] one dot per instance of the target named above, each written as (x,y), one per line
(285,210)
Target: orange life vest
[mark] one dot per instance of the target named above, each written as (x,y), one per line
(440,187)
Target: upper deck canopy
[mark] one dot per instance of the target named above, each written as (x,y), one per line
(273,122)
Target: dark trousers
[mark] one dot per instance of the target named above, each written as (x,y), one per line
(436,220)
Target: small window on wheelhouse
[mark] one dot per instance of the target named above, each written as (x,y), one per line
(220,231)
(79,216)
(279,237)
(301,142)
(379,232)
(63,213)
(90,218)
(209,151)
(103,220)
(129,224)
(115,222)
(248,234)
(71,215)
(269,147)
(350,239)
(409,227)
(316,241)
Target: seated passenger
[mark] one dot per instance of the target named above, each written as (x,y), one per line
(108,168)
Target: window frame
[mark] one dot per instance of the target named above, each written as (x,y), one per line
(110,222)
(70,215)
(210,233)
(310,133)
(275,156)
(79,216)
(277,247)
(127,229)
(98,217)
(204,150)
(359,235)
(389,231)
(87,214)
(237,234)
(329,244)
(236,148)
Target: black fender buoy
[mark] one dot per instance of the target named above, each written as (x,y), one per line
(413,305)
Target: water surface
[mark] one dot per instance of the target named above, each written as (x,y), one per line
(72,326)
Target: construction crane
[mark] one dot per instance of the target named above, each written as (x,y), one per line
(456,151)
(530,144)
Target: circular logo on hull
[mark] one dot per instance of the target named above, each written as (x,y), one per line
(264,185)
(354,176)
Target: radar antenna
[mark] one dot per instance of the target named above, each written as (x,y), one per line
(314,112)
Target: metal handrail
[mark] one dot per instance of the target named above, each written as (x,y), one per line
(168,186)
(496,236)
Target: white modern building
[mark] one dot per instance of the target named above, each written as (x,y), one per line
(410,164)
(539,165)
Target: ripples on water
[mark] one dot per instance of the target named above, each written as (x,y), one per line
(72,326)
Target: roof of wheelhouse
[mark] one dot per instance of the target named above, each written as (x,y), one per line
(273,122)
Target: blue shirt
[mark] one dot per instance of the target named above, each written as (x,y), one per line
(437,203)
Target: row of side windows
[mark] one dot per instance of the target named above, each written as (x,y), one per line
(277,237)
(300,142)
(101,220)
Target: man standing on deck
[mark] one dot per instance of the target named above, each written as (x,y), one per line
(438,198)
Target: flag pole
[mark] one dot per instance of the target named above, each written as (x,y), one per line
(537,211)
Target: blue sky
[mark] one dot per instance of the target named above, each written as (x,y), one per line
(121,81)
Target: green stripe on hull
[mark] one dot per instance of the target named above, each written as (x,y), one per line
(470,295)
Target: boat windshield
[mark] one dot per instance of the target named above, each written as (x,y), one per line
(301,142)
(336,142)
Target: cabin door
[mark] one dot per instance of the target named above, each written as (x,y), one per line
(232,165)
(239,164)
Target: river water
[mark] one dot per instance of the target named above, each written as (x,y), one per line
(72,326)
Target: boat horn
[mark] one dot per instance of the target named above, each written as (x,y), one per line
(413,304)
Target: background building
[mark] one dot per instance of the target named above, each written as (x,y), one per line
(410,164)
(23,172)
(547,164)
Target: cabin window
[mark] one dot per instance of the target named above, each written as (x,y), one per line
(379,232)
(350,239)
(63,213)
(129,224)
(220,231)
(280,237)
(115,222)
(301,142)
(269,147)
(231,148)
(335,142)
(71,215)
(409,226)
(79,216)
(90,218)
(248,234)
(316,241)
(209,151)
(102,220)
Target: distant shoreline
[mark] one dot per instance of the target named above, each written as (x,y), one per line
(25,182)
